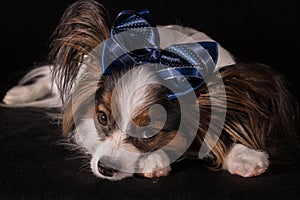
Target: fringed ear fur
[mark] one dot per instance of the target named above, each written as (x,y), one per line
(67,120)
(82,27)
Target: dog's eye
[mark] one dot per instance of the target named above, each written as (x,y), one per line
(102,118)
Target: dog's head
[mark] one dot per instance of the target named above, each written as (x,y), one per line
(127,124)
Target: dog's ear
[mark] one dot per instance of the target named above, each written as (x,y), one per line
(83,26)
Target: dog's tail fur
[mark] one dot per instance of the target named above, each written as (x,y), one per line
(83,26)
(261,111)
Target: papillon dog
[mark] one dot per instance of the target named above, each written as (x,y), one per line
(136,97)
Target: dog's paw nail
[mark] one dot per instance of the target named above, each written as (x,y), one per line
(155,165)
(148,175)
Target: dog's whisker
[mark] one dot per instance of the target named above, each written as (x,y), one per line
(79,157)
(84,167)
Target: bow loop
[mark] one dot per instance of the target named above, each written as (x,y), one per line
(128,19)
(138,26)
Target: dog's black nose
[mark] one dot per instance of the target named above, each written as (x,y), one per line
(108,167)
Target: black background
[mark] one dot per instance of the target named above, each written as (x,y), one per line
(33,167)
(262,31)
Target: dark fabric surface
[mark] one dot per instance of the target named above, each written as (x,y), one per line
(35,165)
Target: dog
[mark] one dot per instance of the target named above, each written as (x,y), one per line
(131,119)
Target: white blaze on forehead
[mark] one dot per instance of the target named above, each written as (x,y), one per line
(131,92)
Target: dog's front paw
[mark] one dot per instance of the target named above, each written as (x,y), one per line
(246,162)
(155,164)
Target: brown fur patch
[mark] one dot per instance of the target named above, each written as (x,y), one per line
(67,120)
(142,119)
(152,144)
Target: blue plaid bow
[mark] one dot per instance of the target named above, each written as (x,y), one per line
(135,40)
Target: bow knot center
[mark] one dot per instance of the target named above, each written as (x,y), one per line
(155,55)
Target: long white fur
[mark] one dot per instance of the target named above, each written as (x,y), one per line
(131,92)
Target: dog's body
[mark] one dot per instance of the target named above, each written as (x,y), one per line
(105,114)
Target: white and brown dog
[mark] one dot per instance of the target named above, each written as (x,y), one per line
(127,119)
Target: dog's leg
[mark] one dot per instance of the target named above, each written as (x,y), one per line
(33,90)
(246,162)
(155,164)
